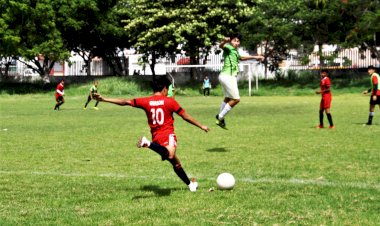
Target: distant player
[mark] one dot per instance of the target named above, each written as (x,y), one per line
(159,110)
(93,91)
(171,91)
(206,86)
(325,91)
(227,77)
(375,93)
(59,93)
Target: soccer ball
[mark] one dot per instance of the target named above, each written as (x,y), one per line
(225,181)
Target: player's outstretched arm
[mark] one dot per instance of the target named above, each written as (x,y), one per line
(226,40)
(193,121)
(367,91)
(258,57)
(118,101)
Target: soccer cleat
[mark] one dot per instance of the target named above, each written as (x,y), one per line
(320,127)
(96,108)
(84,108)
(193,185)
(331,127)
(220,123)
(143,142)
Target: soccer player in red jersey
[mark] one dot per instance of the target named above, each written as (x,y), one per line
(325,91)
(59,92)
(159,110)
(375,93)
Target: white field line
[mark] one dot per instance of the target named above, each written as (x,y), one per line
(293,181)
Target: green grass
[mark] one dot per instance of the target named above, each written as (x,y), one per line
(76,167)
(298,86)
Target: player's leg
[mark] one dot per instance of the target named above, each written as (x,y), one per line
(59,101)
(371,114)
(167,153)
(372,105)
(329,117)
(231,93)
(232,97)
(56,104)
(321,110)
(230,103)
(320,119)
(62,101)
(88,101)
(159,149)
(327,106)
(178,169)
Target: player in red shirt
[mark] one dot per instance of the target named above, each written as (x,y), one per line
(159,110)
(59,92)
(375,93)
(325,91)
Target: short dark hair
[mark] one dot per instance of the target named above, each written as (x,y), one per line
(160,83)
(371,67)
(325,71)
(236,35)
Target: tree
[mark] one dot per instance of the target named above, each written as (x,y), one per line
(365,31)
(92,28)
(31,32)
(272,27)
(324,23)
(163,28)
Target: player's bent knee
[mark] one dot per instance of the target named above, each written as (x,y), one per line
(177,166)
(165,156)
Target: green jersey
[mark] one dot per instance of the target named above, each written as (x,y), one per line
(170,91)
(94,90)
(231,60)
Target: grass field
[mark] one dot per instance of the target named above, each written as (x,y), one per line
(76,167)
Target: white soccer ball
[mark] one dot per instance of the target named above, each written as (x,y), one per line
(225,181)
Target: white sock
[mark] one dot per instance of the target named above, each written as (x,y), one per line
(371,113)
(222,106)
(224,112)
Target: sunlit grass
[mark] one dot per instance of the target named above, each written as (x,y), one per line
(76,167)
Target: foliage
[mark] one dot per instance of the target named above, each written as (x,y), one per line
(48,31)
(30,31)
(93,28)
(366,30)
(162,28)
(45,32)
(273,27)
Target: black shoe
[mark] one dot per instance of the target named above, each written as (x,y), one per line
(220,123)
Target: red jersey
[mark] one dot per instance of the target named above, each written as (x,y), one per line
(325,84)
(375,83)
(59,91)
(159,111)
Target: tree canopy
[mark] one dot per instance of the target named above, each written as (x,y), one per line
(53,29)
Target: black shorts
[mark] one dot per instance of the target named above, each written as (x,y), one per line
(371,102)
(60,98)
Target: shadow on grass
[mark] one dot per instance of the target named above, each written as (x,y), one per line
(363,124)
(217,150)
(157,191)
